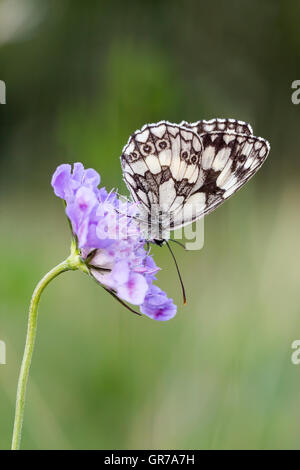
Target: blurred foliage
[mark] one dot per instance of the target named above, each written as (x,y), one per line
(80,78)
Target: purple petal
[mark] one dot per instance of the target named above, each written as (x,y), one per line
(61,181)
(120,273)
(134,290)
(77,175)
(157,305)
(91,178)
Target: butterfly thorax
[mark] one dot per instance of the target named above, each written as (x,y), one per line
(154,225)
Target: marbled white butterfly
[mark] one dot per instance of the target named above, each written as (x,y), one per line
(180,172)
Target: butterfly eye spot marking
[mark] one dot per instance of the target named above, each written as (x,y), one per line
(194,159)
(131,157)
(147,149)
(162,144)
(185,155)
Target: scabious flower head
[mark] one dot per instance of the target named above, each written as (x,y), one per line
(110,240)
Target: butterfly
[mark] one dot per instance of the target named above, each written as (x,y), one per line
(178,173)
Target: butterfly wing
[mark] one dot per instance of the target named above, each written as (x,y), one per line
(160,167)
(222,125)
(179,173)
(228,160)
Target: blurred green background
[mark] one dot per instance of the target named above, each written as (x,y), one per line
(81,77)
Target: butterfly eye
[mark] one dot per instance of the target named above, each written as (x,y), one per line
(185,155)
(162,144)
(147,149)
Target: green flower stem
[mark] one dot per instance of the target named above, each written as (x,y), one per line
(74,262)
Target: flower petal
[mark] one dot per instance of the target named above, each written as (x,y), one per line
(157,305)
(134,290)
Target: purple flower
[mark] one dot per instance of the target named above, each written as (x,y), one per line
(110,241)
(65,183)
(124,270)
(157,305)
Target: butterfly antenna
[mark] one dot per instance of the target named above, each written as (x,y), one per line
(179,275)
(178,243)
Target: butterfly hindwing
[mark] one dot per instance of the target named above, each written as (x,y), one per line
(228,161)
(161,164)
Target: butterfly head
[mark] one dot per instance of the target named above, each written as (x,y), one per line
(159,242)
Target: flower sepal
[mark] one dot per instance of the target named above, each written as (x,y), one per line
(75,260)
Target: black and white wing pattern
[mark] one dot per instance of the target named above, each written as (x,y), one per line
(179,173)
(213,125)
(228,161)
(160,163)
